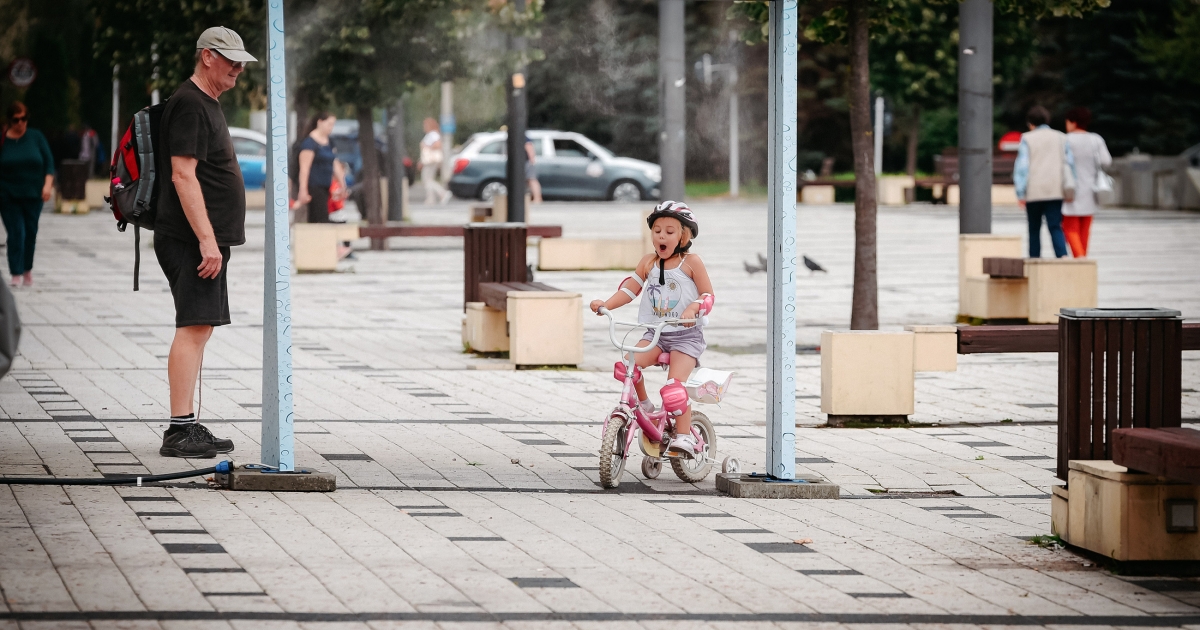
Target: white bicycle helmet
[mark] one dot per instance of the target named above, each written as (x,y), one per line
(675,210)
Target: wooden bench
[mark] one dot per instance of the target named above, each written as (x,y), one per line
(1039,338)
(544,324)
(1172,452)
(380,233)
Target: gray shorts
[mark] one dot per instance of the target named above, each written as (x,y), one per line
(530,171)
(689,341)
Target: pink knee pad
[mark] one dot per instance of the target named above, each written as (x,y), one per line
(674,397)
(619,372)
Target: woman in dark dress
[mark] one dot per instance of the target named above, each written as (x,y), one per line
(26,180)
(319,166)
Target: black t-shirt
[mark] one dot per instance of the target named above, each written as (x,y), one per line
(193,125)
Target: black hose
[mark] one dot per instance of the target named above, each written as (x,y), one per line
(223,467)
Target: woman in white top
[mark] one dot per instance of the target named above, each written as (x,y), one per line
(431,160)
(1091,156)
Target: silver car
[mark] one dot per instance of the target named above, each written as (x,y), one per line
(568,166)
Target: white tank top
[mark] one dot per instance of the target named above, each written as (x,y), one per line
(669,299)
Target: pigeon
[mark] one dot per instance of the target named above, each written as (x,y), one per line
(813,266)
(762,261)
(751,269)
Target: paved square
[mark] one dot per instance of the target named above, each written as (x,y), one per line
(468,492)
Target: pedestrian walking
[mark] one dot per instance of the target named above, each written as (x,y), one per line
(1091,156)
(26,181)
(201,214)
(1044,175)
(319,168)
(431,160)
(531,176)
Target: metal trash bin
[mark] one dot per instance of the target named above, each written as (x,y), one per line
(492,252)
(1117,368)
(72,179)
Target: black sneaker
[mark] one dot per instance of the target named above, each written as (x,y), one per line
(192,441)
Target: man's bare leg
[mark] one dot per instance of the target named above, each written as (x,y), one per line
(183,366)
(186,437)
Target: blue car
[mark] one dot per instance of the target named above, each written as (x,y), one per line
(251,149)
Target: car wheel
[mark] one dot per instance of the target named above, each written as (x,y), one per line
(626,191)
(489,190)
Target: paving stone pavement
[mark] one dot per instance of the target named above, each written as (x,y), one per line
(468,493)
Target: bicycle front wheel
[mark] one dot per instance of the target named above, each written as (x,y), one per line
(696,469)
(612,450)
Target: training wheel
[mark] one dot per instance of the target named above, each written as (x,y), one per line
(651,466)
(730,465)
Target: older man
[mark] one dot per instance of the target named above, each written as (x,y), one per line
(1044,175)
(201,214)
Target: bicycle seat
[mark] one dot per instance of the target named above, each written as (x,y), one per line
(664,359)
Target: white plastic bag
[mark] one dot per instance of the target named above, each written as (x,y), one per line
(708,386)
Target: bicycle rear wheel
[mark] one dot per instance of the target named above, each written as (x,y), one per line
(696,469)
(612,450)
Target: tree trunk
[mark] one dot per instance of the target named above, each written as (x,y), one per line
(369,192)
(396,154)
(864,307)
(914,138)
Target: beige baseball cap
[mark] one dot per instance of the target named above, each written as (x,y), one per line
(226,42)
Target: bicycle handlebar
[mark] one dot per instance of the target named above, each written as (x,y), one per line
(657,328)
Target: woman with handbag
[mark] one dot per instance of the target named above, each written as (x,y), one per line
(1091,156)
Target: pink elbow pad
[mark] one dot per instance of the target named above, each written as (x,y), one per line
(706,302)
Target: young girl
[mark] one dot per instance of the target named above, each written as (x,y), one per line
(676,286)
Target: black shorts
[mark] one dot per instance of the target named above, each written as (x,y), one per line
(198,302)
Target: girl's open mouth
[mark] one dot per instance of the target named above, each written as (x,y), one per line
(662,248)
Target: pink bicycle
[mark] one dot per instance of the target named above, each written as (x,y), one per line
(628,421)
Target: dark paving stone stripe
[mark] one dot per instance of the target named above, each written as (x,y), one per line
(94,439)
(214,570)
(148,499)
(235,594)
(778,547)
(881,595)
(163,513)
(668,501)
(813,460)
(347,457)
(983,444)
(743,531)
(543,442)
(949,508)
(422,507)
(1025,458)
(828,571)
(179,531)
(546,582)
(475,539)
(981,515)
(193,548)
(708,515)
(434,514)
(572,455)
(1144,621)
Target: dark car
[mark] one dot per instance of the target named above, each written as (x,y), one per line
(569,166)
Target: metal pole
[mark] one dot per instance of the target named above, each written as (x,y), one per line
(734,157)
(975,117)
(673,109)
(781,267)
(114,136)
(517,117)
(878,136)
(277,415)
(396,154)
(154,97)
(449,126)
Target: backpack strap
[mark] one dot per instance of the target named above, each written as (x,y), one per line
(137,254)
(145,146)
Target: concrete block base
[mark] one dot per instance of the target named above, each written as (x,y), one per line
(817,195)
(1125,516)
(315,245)
(485,329)
(867,373)
(545,328)
(1056,283)
(73,206)
(302,480)
(746,486)
(935,348)
(973,248)
(844,420)
(589,254)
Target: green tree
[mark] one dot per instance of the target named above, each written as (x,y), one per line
(132,32)
(367,54)
(858,22)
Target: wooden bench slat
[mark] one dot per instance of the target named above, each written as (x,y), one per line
(1173,453)
(386,231)
(495,294)
(1004,267)
(1041,338)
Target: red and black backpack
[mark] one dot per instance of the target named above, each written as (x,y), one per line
(133,186)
